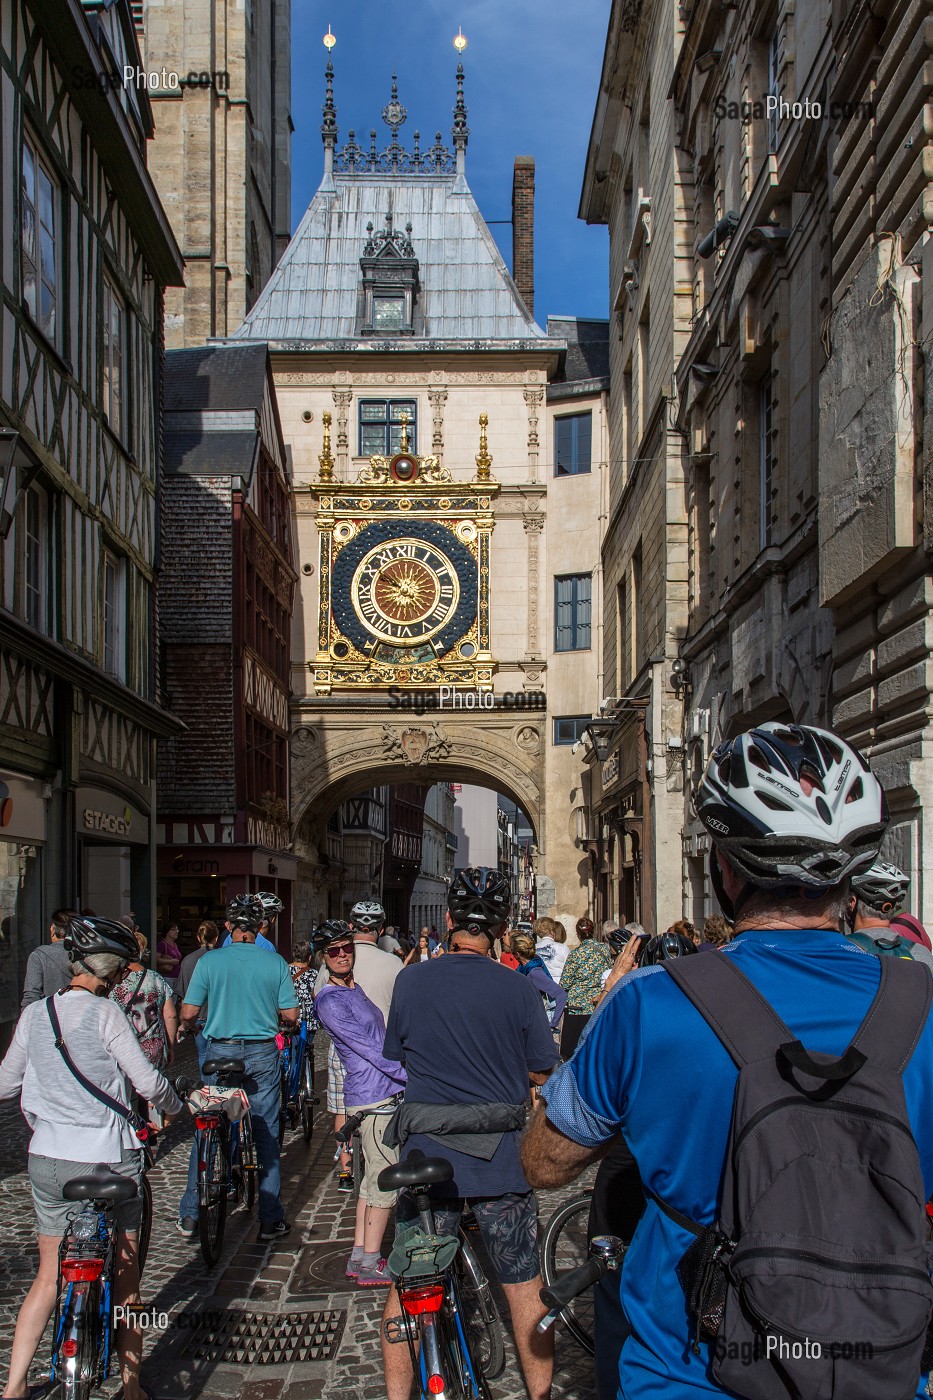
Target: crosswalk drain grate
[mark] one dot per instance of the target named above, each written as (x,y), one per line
(266,1339)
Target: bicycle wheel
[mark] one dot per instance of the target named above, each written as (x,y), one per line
(481,1321)
(565,1246)
(248,1161)
(212,1192)
(306,1095)
(145,1224)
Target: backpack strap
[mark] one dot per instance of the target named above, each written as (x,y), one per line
(896,1019)
(732,1006)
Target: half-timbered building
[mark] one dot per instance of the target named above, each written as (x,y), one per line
(85,253)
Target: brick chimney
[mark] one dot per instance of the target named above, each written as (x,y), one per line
(523,229)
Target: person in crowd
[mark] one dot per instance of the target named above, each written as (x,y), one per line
(356,1027)
(781,871)
(909,926)
(304,976)
(506,956)
(716,933)
(168,955)
(388,943)
(146,1000)
(272,907)
(551,944)
(247,993)
(876,897)
(375,972)
(73,1131)
(471,1035)
(422,951)
(208,936)
(531,966)
(581,979)
(686,930)
(47,967)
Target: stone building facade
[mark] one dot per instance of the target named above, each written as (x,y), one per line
(394,326)
(221,156)
(86,255)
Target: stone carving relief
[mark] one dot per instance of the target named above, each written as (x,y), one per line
(415,746)
(533,400)
(438,398)
(533,525)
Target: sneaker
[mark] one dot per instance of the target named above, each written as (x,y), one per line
(373,1277)
(354,1264)
(344,1181)
(187,1227)
(273,1232)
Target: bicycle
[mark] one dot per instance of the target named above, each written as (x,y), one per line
(565,1247)
(448,1317)
(226,1161)
(298,1096)
(606,1253)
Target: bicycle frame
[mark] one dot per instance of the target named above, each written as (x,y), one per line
(88,1254)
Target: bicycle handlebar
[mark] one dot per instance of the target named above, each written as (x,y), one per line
(559,1294)
(345,1133)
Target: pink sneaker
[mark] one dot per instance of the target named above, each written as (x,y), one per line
(374,1277)
(353,1267)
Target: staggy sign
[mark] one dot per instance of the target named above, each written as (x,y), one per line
(108,822)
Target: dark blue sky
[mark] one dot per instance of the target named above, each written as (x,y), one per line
(532,74)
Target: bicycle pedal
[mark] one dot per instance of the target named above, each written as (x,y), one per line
(393,1329)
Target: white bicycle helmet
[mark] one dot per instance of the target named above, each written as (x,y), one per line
(367,913)
(883,887)
(792,805)
(271,904)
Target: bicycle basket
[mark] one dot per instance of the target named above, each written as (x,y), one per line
(213,1098)
(417,1255)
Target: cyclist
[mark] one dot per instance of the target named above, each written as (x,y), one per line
(72,1131)
(471,1035)
(357,1029)
(375,972)
(793,812)
(272,907)
(246,996)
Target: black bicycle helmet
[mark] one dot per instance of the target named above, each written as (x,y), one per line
(883,887)
(90,934)
(330,931)
(665,946)
(246,911)
(791,805)
(271,904)
(479,899)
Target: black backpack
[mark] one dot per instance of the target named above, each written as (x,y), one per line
(815,1280)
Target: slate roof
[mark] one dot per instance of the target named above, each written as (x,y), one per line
(585,366)
(467,296)
(193,453)
(213,404)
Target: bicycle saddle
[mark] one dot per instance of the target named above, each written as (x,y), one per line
(417,1171)
(104,1185)
(223,1067)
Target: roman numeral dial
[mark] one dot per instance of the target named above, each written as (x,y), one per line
(404,591)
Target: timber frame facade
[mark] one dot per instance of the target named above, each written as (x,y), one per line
(86,254)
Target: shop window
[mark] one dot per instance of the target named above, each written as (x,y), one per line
(39,251)
(572,607)
(569,729)
(573,442)
(381,426)
(21,928)
(35,562)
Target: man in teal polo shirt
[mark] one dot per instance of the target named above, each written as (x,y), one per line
(247,992)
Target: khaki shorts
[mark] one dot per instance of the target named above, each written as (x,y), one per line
(47,1176)
(375,1155)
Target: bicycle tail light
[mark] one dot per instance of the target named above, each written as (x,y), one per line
(70,1347)
(82,1270)
(428,1299)
(207,1120)
(435,1385)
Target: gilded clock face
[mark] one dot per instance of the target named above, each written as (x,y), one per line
(405,591)
(404,586)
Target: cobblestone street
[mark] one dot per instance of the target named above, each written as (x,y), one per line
(302,1275)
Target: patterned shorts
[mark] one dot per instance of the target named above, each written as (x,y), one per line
(508,1225)
(335,1077)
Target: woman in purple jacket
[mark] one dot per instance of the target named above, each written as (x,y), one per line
(555,998)
(357,1030)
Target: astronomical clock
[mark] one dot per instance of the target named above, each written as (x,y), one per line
(404,574)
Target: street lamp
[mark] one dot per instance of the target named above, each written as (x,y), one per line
(329,40)
(460,40)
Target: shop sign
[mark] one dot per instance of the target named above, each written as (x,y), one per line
(22,808)
(609,772)
(101,813)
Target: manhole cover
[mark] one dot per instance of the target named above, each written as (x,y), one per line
(323,1270)
(266,1339)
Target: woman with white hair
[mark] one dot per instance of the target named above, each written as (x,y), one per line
(73,1131)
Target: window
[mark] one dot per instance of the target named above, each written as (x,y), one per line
(765,460)
(114,650)
(381,426)
(622,656)
(266,761)
(774,91)
(572,599)
(388,313)
(573,440)
(35,559)
(113,396)
(39,253)
(568,729)
(637,643)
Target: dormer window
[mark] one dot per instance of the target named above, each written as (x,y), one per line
(390,282)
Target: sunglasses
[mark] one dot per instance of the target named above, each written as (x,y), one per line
(339,950)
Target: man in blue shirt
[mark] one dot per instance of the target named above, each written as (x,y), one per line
(247,994)
(473,1033)
(793,812)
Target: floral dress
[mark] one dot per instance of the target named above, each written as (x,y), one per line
(142,994)
(304,991)
(582,976)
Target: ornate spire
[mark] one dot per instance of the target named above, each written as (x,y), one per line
(460,131)
(325,458)
(329,124)
(395,159)
(483,459)
(394,114)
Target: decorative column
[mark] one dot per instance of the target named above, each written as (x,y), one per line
(534,526)
(342,399)
(533,399)
(437,399)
